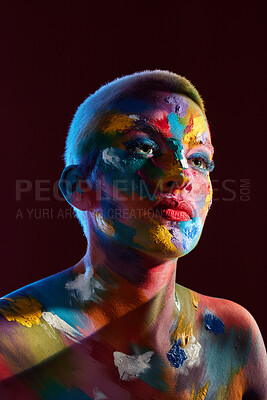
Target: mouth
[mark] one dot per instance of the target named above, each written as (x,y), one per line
(174,209)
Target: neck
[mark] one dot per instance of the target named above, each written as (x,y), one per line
(142,272)
(133,283)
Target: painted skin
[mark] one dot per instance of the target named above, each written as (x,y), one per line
(115,326)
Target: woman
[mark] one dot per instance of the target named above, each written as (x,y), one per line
(116,326)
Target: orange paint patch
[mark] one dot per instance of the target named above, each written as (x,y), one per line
(238,386)
(118,123)
(24,310)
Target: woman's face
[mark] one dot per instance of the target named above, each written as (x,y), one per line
(152,178)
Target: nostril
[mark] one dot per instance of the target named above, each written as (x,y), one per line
(171,183)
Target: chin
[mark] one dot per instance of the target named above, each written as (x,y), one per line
(168,242)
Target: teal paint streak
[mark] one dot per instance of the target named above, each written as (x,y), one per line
(123,174)
(76,394)
(153,375)
(176,127)
(55,391)
(125,234)
(177,147)
(232,349)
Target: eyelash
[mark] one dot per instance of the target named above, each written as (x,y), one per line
(209,164)
(135,146)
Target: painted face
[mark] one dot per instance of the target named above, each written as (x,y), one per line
(152,177)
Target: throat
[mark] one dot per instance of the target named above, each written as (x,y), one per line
(142,313)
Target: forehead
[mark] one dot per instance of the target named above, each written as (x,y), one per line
(171,114)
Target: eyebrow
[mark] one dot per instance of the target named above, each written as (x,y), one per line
(209,146)
(146,127)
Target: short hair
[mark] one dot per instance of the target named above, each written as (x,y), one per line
(83,139)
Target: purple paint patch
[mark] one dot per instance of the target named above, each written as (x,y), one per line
(176,355)
(213,323)
(179,105)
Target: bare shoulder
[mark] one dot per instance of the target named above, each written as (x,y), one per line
(231,329)
(28,325)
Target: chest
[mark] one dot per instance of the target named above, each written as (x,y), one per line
(92,370)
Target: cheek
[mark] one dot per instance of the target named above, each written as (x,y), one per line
(202,193)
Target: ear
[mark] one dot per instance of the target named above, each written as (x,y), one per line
(74,188)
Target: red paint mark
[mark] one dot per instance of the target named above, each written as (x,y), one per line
(163,125)
(190,125)
(4,371)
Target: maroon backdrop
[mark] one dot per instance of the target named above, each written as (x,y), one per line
(54,54)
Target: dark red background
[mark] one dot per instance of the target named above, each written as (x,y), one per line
(56,53)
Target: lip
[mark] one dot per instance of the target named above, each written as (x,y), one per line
(175,209)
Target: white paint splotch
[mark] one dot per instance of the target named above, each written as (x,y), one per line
(59,324)
(84,286)
(110,157)
(130,367)
(98,395)
(135,117)
(202,137)
(192,352)
(177,302)
(183,160)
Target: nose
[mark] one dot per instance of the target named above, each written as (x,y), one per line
(182,180)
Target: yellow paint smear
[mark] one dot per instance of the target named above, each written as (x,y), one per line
(194,299)
(118,123)
(160,239)
(103,225)
(202,393)
(183,332)
(24,310)
(193,137)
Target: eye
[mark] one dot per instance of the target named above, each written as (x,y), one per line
(198,162)
(201,161)
(143,147)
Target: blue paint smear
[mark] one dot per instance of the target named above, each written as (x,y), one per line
(176,355)
(191,231)
(130,105)
(213,324)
